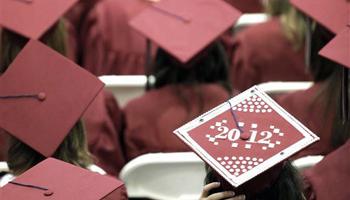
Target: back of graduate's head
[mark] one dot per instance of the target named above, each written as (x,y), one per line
(12,43)
(292,21)
(73,150)
(286,185)
(209,66)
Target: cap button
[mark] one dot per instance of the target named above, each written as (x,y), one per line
(42,96)
(48,193)
(245,136)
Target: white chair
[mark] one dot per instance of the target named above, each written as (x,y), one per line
(273,88)
(4,167)
(125,88)
(167,176)
(306,162)
(250,19)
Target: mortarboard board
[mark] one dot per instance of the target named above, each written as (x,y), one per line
(184,28)
(246,136)
(331,14)
(42,96)
(55,179)
(32,18)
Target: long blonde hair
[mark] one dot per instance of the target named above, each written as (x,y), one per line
(293,22)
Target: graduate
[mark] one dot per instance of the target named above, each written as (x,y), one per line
(246,143)
(103,117)
(318,106)
(43,96)
(329,179)
(190,70)
(270,51)
(110,45)
(38,110)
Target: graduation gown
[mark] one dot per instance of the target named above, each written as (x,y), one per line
(110,45)
(103,128)
(262,53)
(330,178)
(247,6)
(151,119)
(303,106)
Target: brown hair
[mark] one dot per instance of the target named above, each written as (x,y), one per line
(72,150)
(12,43)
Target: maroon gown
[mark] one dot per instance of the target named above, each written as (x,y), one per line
(330,178)
(247,6)
(111,46)
(304,106)
(151,119)
(103,121)
(262,53)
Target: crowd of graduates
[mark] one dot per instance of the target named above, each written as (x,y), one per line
(53,108)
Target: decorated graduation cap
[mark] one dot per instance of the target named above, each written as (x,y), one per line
(43,95)
(245,137)
(32,18)
(55,179)
(335,16)
(184,28)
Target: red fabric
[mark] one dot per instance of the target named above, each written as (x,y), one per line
(111,46)
(76,17)
(330,178)
(247,6)
(303,106)
(102,122)
(152,118)
(262,53)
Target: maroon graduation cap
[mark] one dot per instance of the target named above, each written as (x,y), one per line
(245,136)
(55,179)
(43,95)
(32,18)
(184,28)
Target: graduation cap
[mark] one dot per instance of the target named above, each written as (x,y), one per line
(331,14)
(43,95)
(245,137)
(32,18)
(184,28)
(335,16)
(55,179)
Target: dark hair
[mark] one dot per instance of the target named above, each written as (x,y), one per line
(321,68)
(12,43)
(209,66)
(288,185)
(72,150)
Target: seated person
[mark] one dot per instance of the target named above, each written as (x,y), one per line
(270,51)
(186,84)
(103,117)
